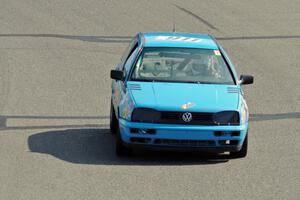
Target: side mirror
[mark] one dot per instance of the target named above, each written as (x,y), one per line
(116,75)
(246,79)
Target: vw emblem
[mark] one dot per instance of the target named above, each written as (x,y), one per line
(187,117)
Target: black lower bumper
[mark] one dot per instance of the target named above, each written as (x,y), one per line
(210,149)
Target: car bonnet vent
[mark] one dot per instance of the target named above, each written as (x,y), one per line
(134,86)
(233,90)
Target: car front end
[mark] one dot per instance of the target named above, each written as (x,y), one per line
(155,116)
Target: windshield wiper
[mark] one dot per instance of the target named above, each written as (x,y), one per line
(196,82)
(203,82)
(173,81)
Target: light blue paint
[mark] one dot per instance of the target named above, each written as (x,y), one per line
(171,96)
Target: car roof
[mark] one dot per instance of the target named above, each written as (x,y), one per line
(177,39)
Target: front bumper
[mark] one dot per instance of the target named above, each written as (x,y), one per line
(186,137)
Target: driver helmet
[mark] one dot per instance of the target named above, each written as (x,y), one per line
(200,66)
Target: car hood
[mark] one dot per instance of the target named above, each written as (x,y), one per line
(175,96)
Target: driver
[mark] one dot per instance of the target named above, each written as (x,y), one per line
(157,69)
(199,68)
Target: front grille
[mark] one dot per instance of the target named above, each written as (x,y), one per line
(223,118)
(191,143)
(198,118)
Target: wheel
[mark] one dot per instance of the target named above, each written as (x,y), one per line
(113,120)
(121,149)
(243,152)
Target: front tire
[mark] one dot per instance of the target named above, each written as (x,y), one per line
(121,149)
(113,123)
(243,152)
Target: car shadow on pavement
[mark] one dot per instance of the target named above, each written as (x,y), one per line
(96,147)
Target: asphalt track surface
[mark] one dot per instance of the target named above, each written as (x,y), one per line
(55,59)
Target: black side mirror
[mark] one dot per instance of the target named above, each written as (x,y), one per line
(246,79)
(117,75)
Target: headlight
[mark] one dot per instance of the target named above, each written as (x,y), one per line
(245,112)
(145,115)
(226,118)
(126,107)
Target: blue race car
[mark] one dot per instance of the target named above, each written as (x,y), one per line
(178,91)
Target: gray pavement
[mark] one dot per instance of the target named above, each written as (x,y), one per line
(55,58)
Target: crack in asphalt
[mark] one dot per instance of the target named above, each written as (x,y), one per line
(276,37)
(3,120)
(201,19)
(126,39)
(101,39)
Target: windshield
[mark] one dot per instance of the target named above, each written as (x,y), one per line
(182,65)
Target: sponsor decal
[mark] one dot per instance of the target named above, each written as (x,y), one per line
(217,52)
(188,105)
(175,38)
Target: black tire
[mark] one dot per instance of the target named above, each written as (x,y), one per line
(121,149)
(113,123)
(243,152)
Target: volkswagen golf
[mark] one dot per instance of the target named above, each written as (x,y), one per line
(178,91)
